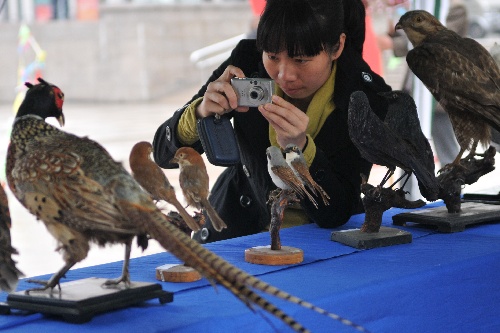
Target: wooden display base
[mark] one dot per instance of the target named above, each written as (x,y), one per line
(369,240)
(263,255)
(78,301)
(177,273)
(471,213)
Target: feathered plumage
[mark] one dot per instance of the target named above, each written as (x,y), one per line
(82,195)
(9,274)
(460,73)
(387,143)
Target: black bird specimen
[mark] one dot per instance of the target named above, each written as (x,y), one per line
(460,73)
(402,118)
(380,144)
(9,274)
(82,195)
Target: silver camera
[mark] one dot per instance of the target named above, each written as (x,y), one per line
(253,91)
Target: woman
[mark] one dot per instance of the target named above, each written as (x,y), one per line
(304,47)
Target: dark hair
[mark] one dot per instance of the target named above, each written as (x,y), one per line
(355,24)
(301,27)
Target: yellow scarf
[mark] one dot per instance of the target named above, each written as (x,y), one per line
(319,109)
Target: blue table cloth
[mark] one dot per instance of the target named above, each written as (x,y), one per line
(438,283)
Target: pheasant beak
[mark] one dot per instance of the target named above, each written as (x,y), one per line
(174,160)
(60,120)
(398,26)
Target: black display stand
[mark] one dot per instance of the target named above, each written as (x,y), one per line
(78,301)
(369,240)
(486,198)
(471,213)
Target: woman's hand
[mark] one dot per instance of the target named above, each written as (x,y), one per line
(220,96)
(289,122)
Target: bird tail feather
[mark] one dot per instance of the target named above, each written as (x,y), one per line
(235,280)
(217,222)
(9,275)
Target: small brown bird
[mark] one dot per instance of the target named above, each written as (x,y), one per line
(193,179)
(9,274)
(460,73)
(297,162)
(151,177)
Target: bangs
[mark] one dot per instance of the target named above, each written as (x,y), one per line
(292,27)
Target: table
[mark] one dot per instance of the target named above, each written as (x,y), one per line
(438,283)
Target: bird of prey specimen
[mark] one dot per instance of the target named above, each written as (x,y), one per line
(283,176)
(460,73)
(380,144)
(297,162)
(82,195)
(151,177)
(9,274)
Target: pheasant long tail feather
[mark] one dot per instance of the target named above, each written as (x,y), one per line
(235,280)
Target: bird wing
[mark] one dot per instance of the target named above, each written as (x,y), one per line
(54,186)
(288,177)
(453,77)
(376,142)
(380,145)
(194,184)
(303,173)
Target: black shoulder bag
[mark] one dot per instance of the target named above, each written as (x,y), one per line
(218,140)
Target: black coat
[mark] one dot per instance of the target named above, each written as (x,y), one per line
(241,192)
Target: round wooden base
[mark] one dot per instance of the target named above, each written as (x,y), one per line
(263,255)
(177,273)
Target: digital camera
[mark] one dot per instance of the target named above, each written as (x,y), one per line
(253,91)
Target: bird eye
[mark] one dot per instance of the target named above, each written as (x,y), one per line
(419,19)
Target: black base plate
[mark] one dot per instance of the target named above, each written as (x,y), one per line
(78,301)
(482,197)
(364,240)
(471,213)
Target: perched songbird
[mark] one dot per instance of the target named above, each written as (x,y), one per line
(9,274)
(297,162)
(82,195)
(283,176)
(380,144)
(151,177)
(193,179)
(460,73)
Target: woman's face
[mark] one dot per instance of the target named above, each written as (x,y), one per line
(300,77)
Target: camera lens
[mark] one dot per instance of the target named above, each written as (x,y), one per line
(256,93)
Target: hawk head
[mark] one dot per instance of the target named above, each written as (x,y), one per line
(418,24)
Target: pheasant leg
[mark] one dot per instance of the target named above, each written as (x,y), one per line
(125,277)
(53,281)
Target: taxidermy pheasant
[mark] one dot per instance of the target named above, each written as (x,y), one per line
(9,274)
(82,195)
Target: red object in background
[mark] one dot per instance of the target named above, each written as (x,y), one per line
(371,50)
(257,6)
(87,10)
(43,10)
